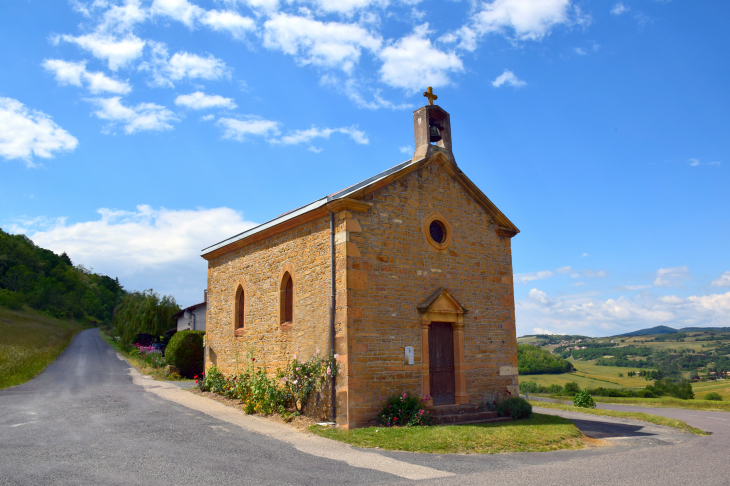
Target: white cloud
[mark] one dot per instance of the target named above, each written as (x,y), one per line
(306,136)
(181,65)
(527,19)
(509,78)
(579,51)
(578,284)
(346,7)
(75,72)
(585,314)
(354,89)
(624,288)
(693,162)
(330,44)
(122,19)
(158,248)
(585,255)
(671,277)
(722,281)
(180,10)
(201,101)
(412,62)
(207,117)
(566,269)
(240,130)
(522,278)
(117,52)
(26,133)
(595,273)
(406,150)
(537,330)
(144,116)
(619,8)
(228,21)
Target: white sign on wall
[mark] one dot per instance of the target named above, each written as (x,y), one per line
(409,355)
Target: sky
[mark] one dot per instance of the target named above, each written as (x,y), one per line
(135,133)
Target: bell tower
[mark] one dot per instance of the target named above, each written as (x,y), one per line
(431,129)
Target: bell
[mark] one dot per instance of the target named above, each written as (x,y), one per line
(433,132)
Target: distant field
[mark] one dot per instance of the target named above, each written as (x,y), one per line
(29,342)
(703,388)
(590,375)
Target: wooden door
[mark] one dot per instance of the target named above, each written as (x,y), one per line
(441,363)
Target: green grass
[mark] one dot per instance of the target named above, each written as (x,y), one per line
(645,417)
(669,402)
(30,342)
(539,433)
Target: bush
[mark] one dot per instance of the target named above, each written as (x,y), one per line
(185,352)
(406,410)
(11,300)
(713,396)
(571,388)
(528,387)
(584,399)
(555,389)
(515,407)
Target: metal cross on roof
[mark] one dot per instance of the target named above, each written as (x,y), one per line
(429,94)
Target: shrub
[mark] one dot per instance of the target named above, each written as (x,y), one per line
(154,359)
(405,409)
(528,387)
(584,399)
(571,388)
(515,407)
(713,396)
(11,300)
(555,389)
(185,352)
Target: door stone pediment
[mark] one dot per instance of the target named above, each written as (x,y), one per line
(441,302)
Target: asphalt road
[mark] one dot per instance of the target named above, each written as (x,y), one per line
(90,419)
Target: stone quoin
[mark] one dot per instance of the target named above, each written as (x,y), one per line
(422,265)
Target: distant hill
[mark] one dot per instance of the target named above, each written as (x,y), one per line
(705,329)
(651,330)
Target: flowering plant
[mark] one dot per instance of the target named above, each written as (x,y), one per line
(300,379)
(404,409)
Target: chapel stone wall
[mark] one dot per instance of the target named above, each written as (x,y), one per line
(391,269)
(306,251)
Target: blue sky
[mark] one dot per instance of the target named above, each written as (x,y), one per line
(133,134)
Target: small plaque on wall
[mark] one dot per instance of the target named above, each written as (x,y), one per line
(409,355)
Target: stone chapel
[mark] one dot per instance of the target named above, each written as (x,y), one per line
(406,276)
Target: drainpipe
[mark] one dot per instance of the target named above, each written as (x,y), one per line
(332,311)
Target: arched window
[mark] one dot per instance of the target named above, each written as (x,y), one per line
(287,298)
(239,312)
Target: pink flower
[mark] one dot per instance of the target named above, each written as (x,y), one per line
(329,371)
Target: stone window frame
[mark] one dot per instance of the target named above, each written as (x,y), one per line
(287,268)
(426,228)
(239,286)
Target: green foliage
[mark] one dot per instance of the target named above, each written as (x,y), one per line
(584,399)
(713,396)
(572,388)
(300,379)
(289,388)
(185,352)
(39,278)
(11,300)
(532,387)
(532,360)
(515,407)
(144,312)
(156,360)
(404,410)
(620,375)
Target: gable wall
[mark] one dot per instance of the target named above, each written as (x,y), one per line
(394,270)
(306,249)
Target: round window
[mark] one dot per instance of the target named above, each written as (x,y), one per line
(437,231)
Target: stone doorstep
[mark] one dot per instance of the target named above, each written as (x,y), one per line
(464,414)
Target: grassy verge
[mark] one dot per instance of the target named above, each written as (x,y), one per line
(137,362)
(30,342)
(537,434)
(668,402)
(644,417)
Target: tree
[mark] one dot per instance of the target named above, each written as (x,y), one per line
(144,312)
